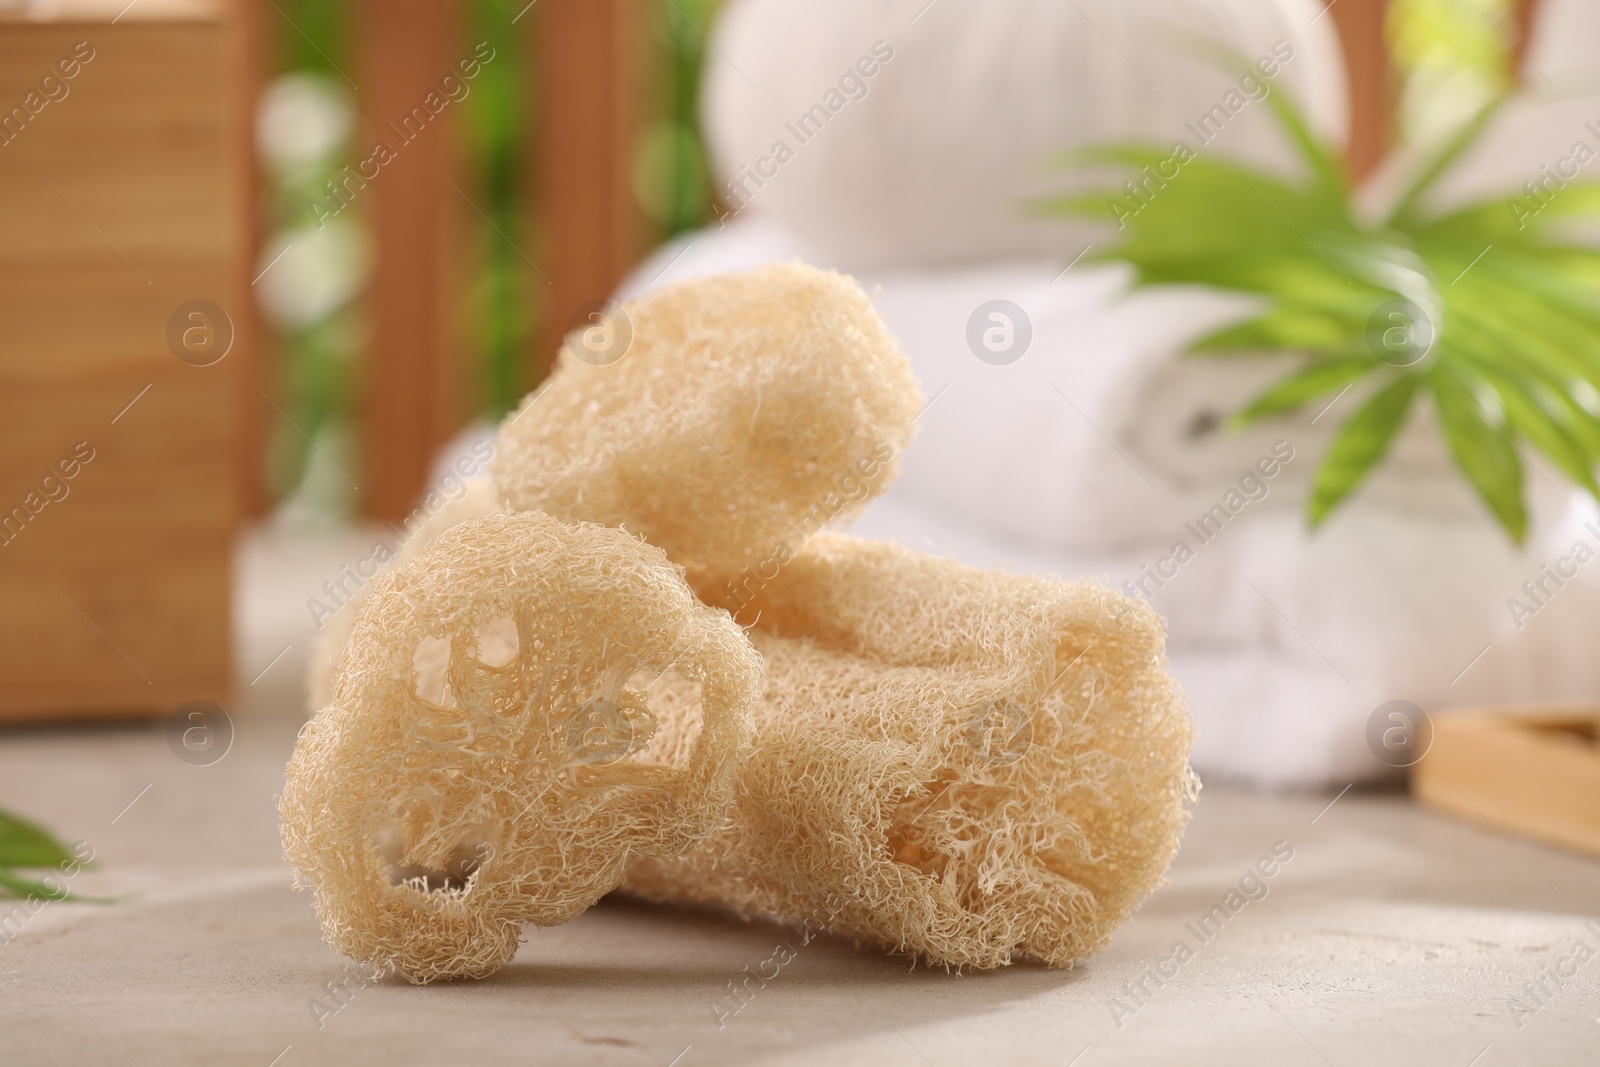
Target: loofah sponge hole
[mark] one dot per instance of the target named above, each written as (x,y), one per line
(487,757)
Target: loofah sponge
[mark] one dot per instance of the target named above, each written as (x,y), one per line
(328,645)
(751,410)
(964,765)
(489,756)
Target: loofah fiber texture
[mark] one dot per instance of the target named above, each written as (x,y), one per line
(963,765)
(490,755)
(751,409)
(328,645)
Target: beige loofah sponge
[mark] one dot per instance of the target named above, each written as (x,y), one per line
(964,765)
(435,810)
(750,410)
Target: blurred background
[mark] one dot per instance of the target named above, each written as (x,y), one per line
(575,148)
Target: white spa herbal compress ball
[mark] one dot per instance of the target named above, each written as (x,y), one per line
(891,111)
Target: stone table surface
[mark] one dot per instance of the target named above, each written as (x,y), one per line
(1392,936)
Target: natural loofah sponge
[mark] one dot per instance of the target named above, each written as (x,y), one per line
(964,765)
(435,810)
(751,410)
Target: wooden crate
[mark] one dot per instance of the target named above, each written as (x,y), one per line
(1528,771)
(120,200)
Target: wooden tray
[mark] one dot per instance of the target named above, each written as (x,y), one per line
(1534,771)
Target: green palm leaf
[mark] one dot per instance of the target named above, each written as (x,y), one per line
(1319,379)
(1482,451)
(27,846)
(22,844)
(1510,311)
(1359,445)
(28,887)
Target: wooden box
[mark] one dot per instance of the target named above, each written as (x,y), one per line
(1527,771)
(120,202)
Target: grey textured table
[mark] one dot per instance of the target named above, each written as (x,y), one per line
(1392,936)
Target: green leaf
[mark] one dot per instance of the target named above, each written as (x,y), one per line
(1482,451)
(1529,418)
(1097,204)
(27,887)
(1505,327)
(1359,445)
(1533,282)
(1537,396)
(1324,164)
(1301,278)
(1284,326)
(1208,206)
(1453,148)
(1319,379)
(1130,155)
(1514,302)
(22,844)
